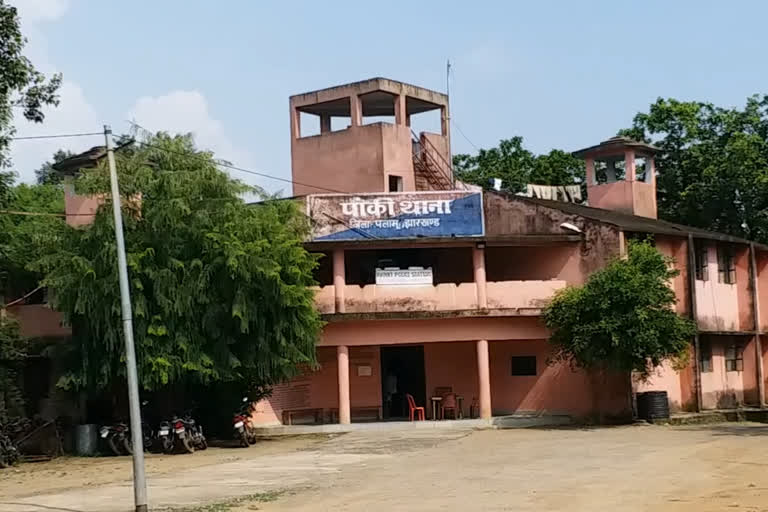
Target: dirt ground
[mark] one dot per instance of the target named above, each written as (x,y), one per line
(704,469)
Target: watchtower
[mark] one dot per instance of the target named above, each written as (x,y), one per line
(621,176)
(375,157)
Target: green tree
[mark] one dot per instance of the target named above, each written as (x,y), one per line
(623,318)
(713,167)
(46,174)
(516,166)
(25,238)
(21,85)
(220,289)
(12,353)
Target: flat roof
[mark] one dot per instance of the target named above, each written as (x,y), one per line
(617,144)
(376,96)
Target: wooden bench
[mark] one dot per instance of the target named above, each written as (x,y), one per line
(372,410)
(288,415)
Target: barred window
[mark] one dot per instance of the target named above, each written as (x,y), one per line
(700,255)
(523,366)
(734,358)
(726,269)
(705,356)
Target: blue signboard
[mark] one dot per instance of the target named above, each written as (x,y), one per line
(440,214)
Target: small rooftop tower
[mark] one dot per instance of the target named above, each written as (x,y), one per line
(369,157)
(621,176)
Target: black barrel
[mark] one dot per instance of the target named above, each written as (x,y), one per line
(653,405)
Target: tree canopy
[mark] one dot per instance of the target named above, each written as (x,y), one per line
(46,174)
(12,352)
(25,238)
(622,318)
(220,289)
(516,166)
(22,86)
(713,167)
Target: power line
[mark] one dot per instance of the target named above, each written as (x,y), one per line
(57,136)
(44,214)
(241,169)
(464,135)
(223,163)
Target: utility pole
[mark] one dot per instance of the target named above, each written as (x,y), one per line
(139,479)
(448,119)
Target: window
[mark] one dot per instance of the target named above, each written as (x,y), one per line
(395,183)
(705,356)
(701,260)
(523,366)
(734,358)
(726,270)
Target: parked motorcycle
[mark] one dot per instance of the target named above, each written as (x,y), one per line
(148,436)
(165,437)
(244,429)
(117,437)
(188,435)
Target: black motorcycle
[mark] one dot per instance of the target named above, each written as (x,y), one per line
(117,437)
(165,437)
(188,435)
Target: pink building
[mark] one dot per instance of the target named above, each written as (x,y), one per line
(429,285)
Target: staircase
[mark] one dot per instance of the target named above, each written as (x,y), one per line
(430,169)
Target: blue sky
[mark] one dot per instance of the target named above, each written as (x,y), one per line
(561,74)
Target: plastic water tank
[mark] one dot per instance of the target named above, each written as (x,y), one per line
(653,405)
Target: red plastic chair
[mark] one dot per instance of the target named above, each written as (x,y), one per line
(449,403)
(412,408)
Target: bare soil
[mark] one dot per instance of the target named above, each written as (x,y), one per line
(640,468)
(66,473)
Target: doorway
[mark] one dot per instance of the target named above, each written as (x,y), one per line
(402,371)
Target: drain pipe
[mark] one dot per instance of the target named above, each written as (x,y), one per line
(692,295)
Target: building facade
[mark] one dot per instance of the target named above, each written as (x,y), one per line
(429,285)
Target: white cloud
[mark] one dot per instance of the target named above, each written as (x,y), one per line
(187,111)
(178,111)
(40,10)
(74,113)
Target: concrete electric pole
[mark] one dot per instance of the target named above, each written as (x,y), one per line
(139,479)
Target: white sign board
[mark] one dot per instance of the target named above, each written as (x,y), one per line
(400,276)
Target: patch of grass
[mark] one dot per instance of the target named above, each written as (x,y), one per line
(226,506)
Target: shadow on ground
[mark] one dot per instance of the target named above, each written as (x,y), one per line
(731,429)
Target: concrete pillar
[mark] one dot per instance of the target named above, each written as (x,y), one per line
(325,123)
(295,123)
(754,281)
(629,165)
(478,262)
(339,280)
(355,110)
(650,177)
(589,163)
(444,120)
(484,377)
(400,112)
(342,354)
